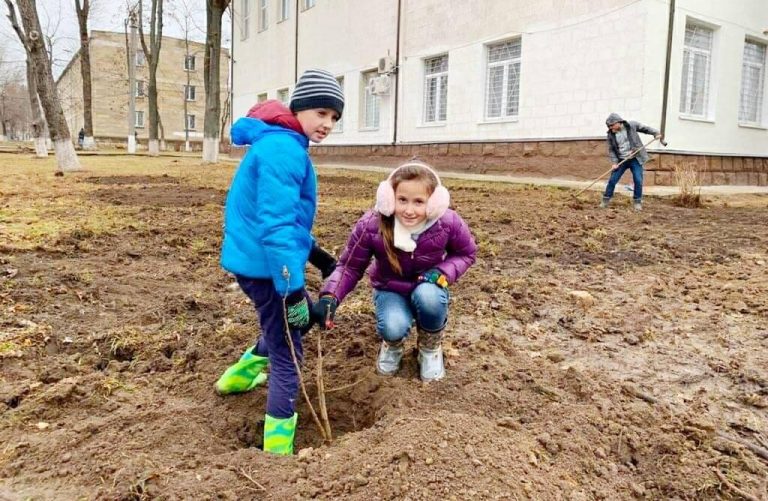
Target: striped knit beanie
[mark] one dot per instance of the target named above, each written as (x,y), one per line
(317,89)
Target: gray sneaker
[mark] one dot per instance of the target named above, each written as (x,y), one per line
(389,359)
(604,203)
(638,206)
(431,366)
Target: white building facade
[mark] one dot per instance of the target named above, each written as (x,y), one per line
(430,71)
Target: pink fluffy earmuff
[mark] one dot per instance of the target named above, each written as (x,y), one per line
(436,205)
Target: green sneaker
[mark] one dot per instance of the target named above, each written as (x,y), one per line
(279,433)
(243,376)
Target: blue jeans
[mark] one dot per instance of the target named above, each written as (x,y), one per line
(637,179)
(395,313)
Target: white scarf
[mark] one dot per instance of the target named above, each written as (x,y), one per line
(403,236)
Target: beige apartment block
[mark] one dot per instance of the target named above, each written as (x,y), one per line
(178,81)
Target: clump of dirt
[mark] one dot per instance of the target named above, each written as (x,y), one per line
(127,180)
(590,355)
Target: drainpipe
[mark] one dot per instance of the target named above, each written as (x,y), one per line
(231,70)
(670,30)
(397,70)
(296,46)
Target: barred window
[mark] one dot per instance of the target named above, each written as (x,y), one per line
(245,11)
(284,10)
(697,62)
(190,122)
(139,122)
(502,99)
(261,97)
(435,89)
(371,102)
(282,95)
(752,83)
(189,63)
(339,127)
(263,19)
(140,59)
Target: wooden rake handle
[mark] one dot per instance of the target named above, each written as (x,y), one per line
(629,157)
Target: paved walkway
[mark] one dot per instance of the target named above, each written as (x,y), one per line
(661,191)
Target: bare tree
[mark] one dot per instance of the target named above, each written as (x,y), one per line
(32,39)
(152,55)
(14,110)
(214,12)
(38,120)
(183,15)
(83,10)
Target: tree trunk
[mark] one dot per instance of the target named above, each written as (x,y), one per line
(85,71)
(38,122)
(152,54)
(66,159)
(214,11)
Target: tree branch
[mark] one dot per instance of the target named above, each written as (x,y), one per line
(15,24)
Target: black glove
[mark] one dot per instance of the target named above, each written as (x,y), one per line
(322,260)
(324,311)
(297,311)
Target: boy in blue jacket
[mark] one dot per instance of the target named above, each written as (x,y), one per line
(268,220)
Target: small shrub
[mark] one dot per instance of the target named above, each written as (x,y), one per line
(688,180)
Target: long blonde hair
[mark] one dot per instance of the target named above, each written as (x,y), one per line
(407,172)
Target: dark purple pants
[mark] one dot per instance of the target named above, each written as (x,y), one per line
(283,386)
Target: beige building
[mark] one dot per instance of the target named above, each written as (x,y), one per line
(110,91)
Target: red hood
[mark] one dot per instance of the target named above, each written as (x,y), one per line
(274,112)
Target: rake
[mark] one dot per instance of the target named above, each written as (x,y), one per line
(629,157)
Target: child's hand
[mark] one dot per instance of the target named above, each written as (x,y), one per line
(322,260)
(297,310)
(434,276)
(324,311)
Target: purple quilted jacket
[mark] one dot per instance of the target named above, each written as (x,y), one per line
(447,245)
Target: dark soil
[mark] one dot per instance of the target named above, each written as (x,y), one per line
(592,354)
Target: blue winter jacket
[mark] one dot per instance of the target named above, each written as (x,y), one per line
(270,206)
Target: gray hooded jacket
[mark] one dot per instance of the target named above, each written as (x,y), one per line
(632,128)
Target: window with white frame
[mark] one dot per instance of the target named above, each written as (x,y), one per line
(371,103)
(190,92)
(263,17)
(339,127)
(140,88)
(189,63)
(283,10)
(752,83)
(502,99)
(245,11)
(308,4)
(139,122)
(261,97)
(435,89)
(697,63)
(190,122)
(282,95)
(140,59)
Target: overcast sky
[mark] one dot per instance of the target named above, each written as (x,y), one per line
(58,19)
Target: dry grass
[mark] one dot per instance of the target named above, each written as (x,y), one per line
(688,180)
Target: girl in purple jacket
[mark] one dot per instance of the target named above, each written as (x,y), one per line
(420,247)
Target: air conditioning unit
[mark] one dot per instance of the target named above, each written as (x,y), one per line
(380,85)
(386,64)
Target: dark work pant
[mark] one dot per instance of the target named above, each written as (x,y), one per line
(283,384)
